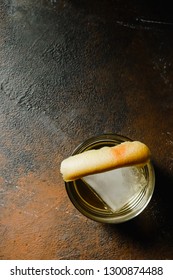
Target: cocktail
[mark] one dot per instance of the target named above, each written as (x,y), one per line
(115,195)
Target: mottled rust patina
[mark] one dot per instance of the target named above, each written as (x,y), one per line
(70,70)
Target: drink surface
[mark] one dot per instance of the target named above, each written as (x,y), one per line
(117,187)
(115,196)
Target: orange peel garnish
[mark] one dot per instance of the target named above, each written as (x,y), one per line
(89,162)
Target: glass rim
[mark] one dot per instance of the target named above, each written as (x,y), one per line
(92,142)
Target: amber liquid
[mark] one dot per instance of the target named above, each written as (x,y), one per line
(91,204)
(111,191)
(90,198)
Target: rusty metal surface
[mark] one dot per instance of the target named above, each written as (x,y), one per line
(70,70)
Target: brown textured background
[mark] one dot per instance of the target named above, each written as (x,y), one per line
(69,70)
